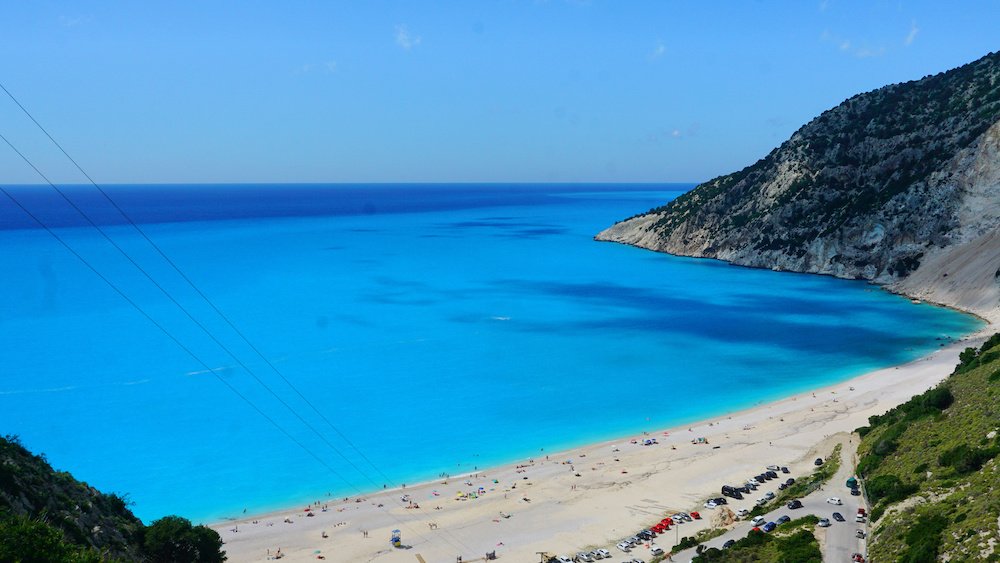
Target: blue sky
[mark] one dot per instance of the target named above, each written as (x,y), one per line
(506,91)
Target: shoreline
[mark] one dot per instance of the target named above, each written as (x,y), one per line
(610,472)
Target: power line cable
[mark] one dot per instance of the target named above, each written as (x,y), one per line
(164,330)
(205,298)
(191,353)
(201,326)
(94,225)
(193,286)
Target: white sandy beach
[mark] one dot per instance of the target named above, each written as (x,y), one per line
(606,492)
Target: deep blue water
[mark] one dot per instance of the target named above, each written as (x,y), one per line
(436,328)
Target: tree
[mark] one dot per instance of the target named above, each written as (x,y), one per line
(25,540)
(173,539)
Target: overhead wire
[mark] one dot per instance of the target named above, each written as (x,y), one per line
(200,361)
(197,290)
(194,286)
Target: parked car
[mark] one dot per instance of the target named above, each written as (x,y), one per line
(656,551)
(859,534)
(604,553)
(819,461)
(721,500)
(859,518)
(761,501)
(795,504)
(753,484)
(625,546)
(584,556)
(728,544)
(771,475)
(855,492)
(710,504)
(823,522)
(742,513)
(784,469)
(758,520)
(562,559)
(834,500)
(782,486)
(773,468)
(838,517)
(769,495)
(595,555)
(636,561)
(784,518)
(789,481)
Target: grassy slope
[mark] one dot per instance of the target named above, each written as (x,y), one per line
(938,506)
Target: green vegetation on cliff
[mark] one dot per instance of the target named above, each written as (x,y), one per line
(930,468)
(47,515)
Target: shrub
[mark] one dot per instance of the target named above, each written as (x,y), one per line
(888,487)
(923,540)
(685,543)
(965,459)
(173,539)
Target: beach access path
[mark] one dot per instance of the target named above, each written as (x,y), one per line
(588,497)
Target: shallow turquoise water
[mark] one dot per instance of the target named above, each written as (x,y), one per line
(434,337)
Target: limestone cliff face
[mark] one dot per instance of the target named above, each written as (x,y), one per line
(900,186)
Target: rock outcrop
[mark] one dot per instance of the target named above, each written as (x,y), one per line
(899,186)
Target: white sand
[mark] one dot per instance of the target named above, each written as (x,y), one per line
(615,494)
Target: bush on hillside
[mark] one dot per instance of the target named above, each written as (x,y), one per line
(889,488)
(965,459)
(923,540)
(27,540)
(173,539)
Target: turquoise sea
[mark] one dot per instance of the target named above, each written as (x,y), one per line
(435,328)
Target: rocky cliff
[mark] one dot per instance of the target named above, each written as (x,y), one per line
(30,488)
(900,186)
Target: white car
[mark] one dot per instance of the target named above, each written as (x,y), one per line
(743,513)
(562,559)
(710,504)
(604,553)
(834,500)
(656,551)
(823,523)
(625,546)
(769,495)
(583,556)
(761,501)
(773,468)
(758,521)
